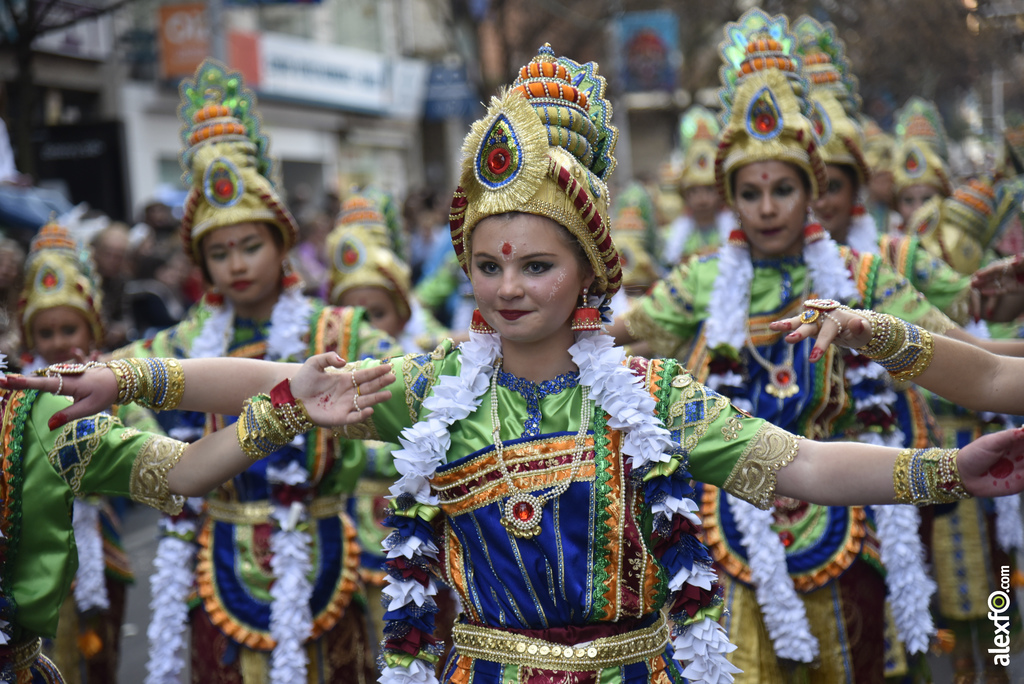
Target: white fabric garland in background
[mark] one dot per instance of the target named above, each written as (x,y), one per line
(90,581)
(169,589)
(783,609)
(863,235)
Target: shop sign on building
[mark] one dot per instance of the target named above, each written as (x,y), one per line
(183,38)
(329,75)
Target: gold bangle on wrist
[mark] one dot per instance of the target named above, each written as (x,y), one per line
(914,356)
(263,428)
(887,334)
(928,476)
(158,384)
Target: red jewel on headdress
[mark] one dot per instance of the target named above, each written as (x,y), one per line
(224,187)
(764,122)
(349,256)
(819,127)
(911,163)
(498,161)
(49,280)
(523,511)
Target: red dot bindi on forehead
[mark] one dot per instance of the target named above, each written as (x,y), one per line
(506,248)
(231,244)
(764,176)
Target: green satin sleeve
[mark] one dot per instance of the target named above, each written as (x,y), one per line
(175,342)
(889,292)
(944,287)
(667,316)
(726,447)
(415,375)
(90,456)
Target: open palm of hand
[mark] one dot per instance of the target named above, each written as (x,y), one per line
(333,397)
(993,465)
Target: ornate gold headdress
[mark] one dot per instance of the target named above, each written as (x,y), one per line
(698,134)
(360,259)
(959,229)
(545,147)
(225,159)
(833,94)
(59,272)
(764,107)
(921,148)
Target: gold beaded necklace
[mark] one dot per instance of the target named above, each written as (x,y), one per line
(522,512)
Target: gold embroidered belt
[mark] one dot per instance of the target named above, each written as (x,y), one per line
(22,655)
(259,512)
(509,648)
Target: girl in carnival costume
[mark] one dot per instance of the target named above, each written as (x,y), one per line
(878,149)
(278,594)
(53,451)
(704,225)
(803,583)
(544,475)
(367,271)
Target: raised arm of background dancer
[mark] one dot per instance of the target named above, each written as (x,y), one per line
(1001,277)
(853,473)
(962,373)
(216,385)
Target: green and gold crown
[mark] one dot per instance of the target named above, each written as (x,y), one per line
(59,272)
(698,136)
(961,228)
(225,159)
(833,92)
(921,148)
(763,94)
(545,147)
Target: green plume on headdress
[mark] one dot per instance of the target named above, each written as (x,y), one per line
(812,35)
(690,124)
(214,84)
(755,24)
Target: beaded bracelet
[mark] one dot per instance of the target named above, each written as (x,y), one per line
(901,348)
(265,426)
(158,384)
(887,335)
(927,476)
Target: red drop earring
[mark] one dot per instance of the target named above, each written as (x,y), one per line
(586,317)
(479,325)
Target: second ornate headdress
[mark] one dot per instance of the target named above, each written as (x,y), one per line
(833,94)
(59,272)
(698,136)
(225,159)
(763,94)
(545,147)
(921,148)
(960,229)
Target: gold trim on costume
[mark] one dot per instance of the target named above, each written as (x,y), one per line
(259,512)
(148,482)
(753,477)
(499,646)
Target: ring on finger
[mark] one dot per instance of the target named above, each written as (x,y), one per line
(835,320)
(809,316)
(822,305)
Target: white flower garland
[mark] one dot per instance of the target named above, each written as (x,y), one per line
(290,621)
(90,582)
(1009,530)
(784,613)
(863,235)
(728,311)
(169,589)
(614,389)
